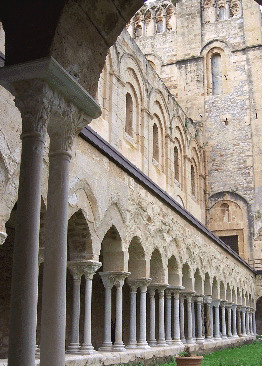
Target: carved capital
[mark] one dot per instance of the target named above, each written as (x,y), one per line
(113,278)
(90,268)
(76,270)
(143,283)
(133,285)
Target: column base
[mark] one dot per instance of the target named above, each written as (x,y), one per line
(73,348)
(118,347)
(87,349)
(190,342)
(152,343)
(161,342)
(177,342)
(132,345)
(143,345)
(224,337)
(218,338)
(169,341)
(200,340)
(107,346)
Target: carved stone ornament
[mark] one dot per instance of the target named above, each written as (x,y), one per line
(87,268)
(113,278)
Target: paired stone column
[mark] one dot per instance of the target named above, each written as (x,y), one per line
(143,283)
(243,310)
(108,284)
(199,300)
(234,321)
(193,318)
(216,305)
(189,316)
(238,319)
(254,322)
(161,331)
(89,270)
(247,320)
(168,294)
(152,341)
(176,327)
(133,295)
(208,301)
(223,319)
(182,318)
(229,332)
(250,321)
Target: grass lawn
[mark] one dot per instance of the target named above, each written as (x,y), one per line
(247,355)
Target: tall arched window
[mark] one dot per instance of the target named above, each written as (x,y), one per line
(192,179)
(216,64)
(155,143)
(129,115)
(176,164)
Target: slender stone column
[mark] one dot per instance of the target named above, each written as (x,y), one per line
(76,273)
(90,269)
(168,316)
(247,321)
(243,310)
(212,319)
(238,319)
(108,284)
(133,294)
(208,301)
(143,283)
(199,300)
(119,278)
(250,322)
(164,22)
(234,321)
(254,322)
(189,315)
(176,329)
(217,320)
(161,331)
(152,341)
(193,319)
(30,97)
(182,318)
(223,320)
(229,306)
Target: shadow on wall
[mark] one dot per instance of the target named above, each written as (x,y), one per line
(259,316)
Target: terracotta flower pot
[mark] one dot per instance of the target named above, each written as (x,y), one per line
(192,360)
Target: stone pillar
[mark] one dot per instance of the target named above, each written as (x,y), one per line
(152,341)
(133,294)
(30,97)
(108,284)
(168,316)
(90,269)
(247,320)
(208,301)
(216,306)
(234,321)
(119,278)
(243,310)
(76,273)
(250,322)
(254,322)
(182,318)
(65,123)
(229,306)
(189,315)
(212,319)
(176,327)
(223,320)
(143,283)
(161,332)
(200,338)
(238,319)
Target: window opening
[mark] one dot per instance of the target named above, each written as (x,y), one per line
(192,180)
(129,115)
(155,143)
(217,87)
(231,241)
(176,163)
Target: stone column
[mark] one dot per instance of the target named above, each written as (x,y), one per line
(31,100)
(200,338)
(119,278)
(108,284)
(234,321)
(168,294)
(208,301)
(176,327)
(250,322)
(238,319)
(161,333)
(247,320)
(90,269)
(133,294)
(182,318)
(152,341)
(189,315)
(229,306)
(254,322)
(143,283)
(243,310)
(223,320)
(216,305)
(76,273)
(66,121)
(193,319)
(212,319)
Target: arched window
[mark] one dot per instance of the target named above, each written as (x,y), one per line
(222,13)
(216,64)
(129,115)
(176,164)
(155,143)
(225,212)
(192,178)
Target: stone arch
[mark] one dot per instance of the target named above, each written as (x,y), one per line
(198,282)
(207,284)
(137,259)
(238,296)
(173,272)
(112,217)
(222,291)
(228,293)
(112,255)
(157,272)
(187,279)
(215,289)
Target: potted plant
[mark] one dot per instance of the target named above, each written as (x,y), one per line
(185,358)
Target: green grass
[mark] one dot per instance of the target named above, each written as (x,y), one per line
(246,355)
